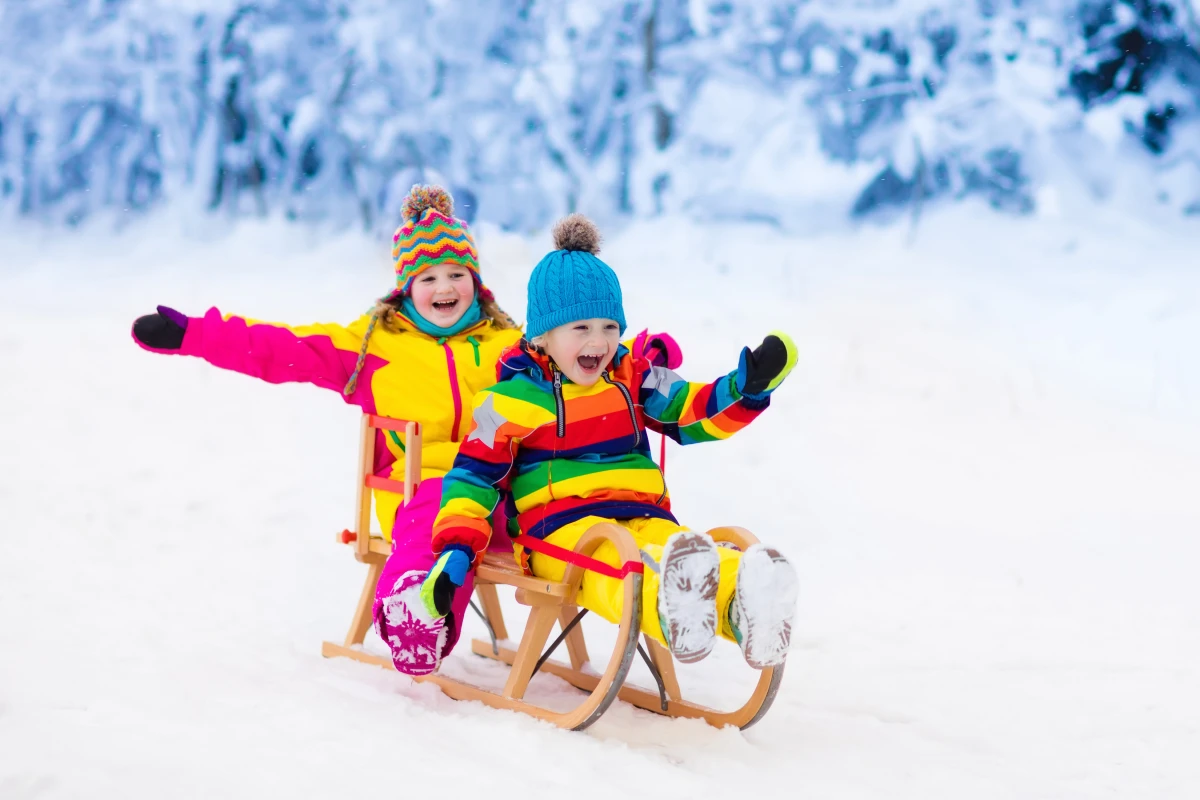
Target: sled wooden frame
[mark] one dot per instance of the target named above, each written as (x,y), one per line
(549,602)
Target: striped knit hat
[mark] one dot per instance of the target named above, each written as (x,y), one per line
(430,235)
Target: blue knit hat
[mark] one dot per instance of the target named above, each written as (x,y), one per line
(570,283)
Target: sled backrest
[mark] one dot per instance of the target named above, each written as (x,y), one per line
(366,479)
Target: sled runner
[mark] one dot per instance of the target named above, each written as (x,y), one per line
(549,602)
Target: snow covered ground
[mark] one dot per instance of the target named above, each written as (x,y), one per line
(985,466)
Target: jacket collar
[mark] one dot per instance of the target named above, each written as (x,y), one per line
(408,326)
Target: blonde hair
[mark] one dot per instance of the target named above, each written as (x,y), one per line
(385,312)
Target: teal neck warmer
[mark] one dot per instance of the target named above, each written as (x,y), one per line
(470,317)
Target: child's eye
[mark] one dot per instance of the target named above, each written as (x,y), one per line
(612,326)
(428,278)
(581,328)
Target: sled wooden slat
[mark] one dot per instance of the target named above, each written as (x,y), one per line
(502,569)
(549,602)
(385,484)
(576,646)
(380,547)
(660,657)
(490,601)
(537,631)
(388,423)
(331,650)
(362,613)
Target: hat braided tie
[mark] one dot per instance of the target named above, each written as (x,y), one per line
(352,384)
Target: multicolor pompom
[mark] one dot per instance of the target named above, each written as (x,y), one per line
(424,197)
(431,235)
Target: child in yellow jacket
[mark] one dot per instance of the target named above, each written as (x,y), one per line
(422,353)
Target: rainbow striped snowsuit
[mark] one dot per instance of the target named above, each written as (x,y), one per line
(569,456)
(563,452)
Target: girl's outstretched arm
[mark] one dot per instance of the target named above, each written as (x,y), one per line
(322,354)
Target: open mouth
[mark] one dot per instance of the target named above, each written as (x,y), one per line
(588,364)
(445,306)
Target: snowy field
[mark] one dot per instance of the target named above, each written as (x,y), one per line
(985,466)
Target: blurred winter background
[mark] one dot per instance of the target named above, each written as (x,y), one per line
(796,113)
(979,218)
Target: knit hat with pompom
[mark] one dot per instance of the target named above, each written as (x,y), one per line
(570,283)
(430,235)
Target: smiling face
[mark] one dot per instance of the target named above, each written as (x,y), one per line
(582,349)
(442,293)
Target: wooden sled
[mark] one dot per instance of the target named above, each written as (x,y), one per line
(549,602)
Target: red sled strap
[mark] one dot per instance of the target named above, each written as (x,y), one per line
(579,559)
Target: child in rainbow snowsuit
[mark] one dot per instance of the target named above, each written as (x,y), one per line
(396,361)
(562,437)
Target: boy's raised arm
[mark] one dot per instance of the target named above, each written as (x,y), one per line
(698,412)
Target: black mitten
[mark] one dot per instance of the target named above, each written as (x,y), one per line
(762,369)
(162,330)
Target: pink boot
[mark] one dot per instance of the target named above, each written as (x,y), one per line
(417,641)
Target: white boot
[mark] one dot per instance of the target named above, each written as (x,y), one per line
(687,595)
(762,610)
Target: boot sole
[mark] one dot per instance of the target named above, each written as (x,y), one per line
(687,595)
(767,589)
(415,640)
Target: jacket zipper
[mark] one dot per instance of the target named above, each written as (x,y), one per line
(560,409)
(637,432)
(454,392)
